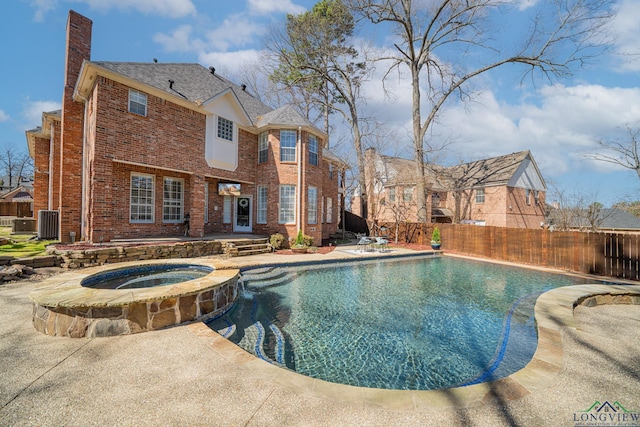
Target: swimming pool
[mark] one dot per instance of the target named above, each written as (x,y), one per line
(411,324)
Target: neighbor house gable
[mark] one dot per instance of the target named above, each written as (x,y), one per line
(528,176)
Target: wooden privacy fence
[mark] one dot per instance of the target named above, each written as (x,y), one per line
(603,254)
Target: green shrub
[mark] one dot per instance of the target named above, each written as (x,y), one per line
(276,241)
(301,240)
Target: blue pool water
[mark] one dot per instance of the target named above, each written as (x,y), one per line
(417,324)
(145,276)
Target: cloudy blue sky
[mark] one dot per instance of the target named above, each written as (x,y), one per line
(557,121)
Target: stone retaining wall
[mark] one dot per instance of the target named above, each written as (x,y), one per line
(77,258)
(90,322)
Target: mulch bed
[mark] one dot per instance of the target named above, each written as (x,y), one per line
(321,250)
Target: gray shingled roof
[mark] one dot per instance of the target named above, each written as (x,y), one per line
(286,115)
(492,171)
(193,82)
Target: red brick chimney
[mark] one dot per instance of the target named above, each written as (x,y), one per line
(78,49)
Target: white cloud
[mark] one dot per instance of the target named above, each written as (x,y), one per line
(626,27)
(235,31)
(42,7)
(168,8)
(559,129)
(32,112)
(179,40)
(265,7)
(4,117)
(228,62)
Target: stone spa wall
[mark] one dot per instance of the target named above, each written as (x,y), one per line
(63,307)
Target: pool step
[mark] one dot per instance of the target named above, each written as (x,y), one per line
(265,277)
(254,337)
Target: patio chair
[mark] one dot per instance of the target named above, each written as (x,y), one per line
(365,244)
(382,244)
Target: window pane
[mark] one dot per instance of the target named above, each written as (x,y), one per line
(287,214)
(226,210)
(172,204)
(263,147)
(141,198)
(137,102)
(225,129)
(287,145)
(262,204)
(313,150)
(329,210)
(480,195)
(312,210)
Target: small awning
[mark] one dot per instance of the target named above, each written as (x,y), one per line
(441,213)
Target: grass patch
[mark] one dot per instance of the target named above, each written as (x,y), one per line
(23,246)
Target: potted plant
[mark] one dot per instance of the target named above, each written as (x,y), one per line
(435,238)
(299,245)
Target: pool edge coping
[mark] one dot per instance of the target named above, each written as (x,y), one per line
(553,312)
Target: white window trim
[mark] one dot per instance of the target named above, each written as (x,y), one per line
(262,208)
(287,216)
(136,93)
(226,210)
(263,146)
(153,198)
(219,129)
(312,208)
(480,196)
(311,153)
(171,202)
(294,148)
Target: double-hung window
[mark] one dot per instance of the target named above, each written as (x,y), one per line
(329,210)
(262,204)
(480,195)
(287,213)
(407,195)
(287,145)
(225,129)
(263,147)
(173,200)
(141,198)
(313,150)
(137,102)
(312,208)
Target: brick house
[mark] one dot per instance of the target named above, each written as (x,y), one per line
(137,147)
(504,191)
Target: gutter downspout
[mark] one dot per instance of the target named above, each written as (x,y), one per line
(83,205)
(51,156)
(299,198)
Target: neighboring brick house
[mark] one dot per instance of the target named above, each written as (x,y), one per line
(138,146)
(504,191)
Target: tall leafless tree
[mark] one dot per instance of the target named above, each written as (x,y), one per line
(621,152)
(450,42)
(15,164)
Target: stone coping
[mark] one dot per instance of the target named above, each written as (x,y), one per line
(65,290)
(553,312)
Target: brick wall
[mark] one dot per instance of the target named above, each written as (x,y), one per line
(78,48)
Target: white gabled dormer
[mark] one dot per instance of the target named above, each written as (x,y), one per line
(225,115)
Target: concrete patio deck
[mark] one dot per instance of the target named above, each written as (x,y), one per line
(188,375)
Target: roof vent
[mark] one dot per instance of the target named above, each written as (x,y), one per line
(244,87)
(171,82)
(155,60)
(212,69)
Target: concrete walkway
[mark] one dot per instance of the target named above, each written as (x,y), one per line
(189,376)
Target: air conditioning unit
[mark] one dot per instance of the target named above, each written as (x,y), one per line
(48,225)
